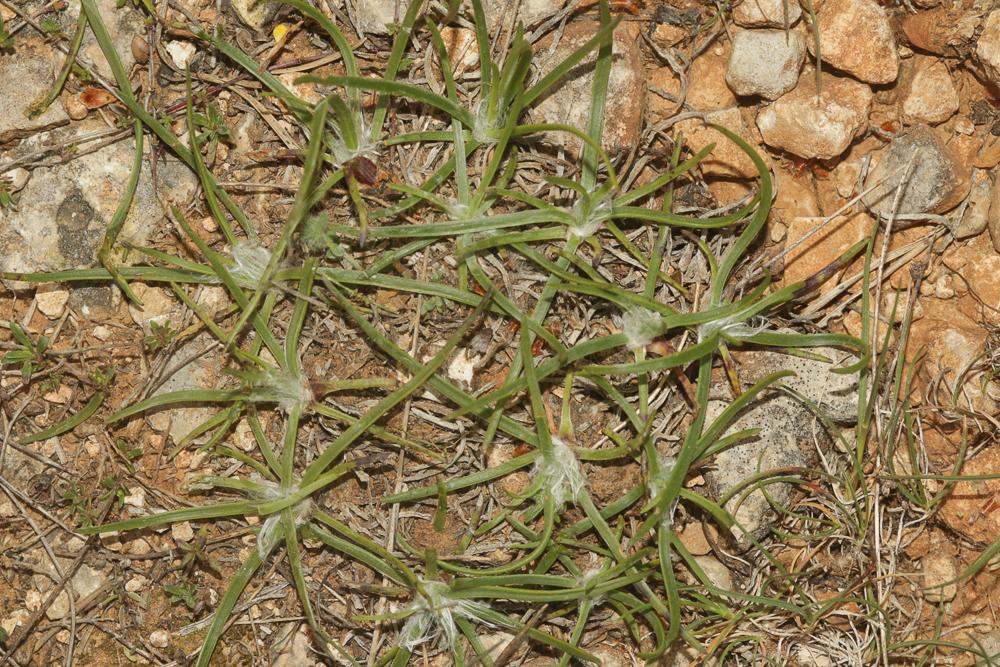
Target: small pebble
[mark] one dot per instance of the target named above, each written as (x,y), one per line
(159,639)
(157,306)
(182,52)
(111,542)
(52,304)
(938,569)
(33,600)
(18,178)
(182,532)
(136,584)
(197,459)
(10,623)
(92,446)
(139,547)
(74,106)
(61,396)
(140,49)
(136,497)
(965,126)
(942,289)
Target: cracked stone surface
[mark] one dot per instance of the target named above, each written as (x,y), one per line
(790,431)
(64,210)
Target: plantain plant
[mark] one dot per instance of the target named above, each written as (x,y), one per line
(471,203)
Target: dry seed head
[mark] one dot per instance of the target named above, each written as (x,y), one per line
(434,615)
(640,326)
(249,264)
(588,221)
(283,388)
(560,473)
(658,481)
(732,327)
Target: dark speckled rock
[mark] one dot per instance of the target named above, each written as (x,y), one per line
(64,210)
(790,431)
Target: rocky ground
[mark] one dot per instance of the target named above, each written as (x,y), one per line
(896,133)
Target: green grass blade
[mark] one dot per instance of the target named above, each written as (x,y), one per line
(226,605)
(397,88)
(176,398)
(39,107)
(174,516)
(68,424)
(354,431)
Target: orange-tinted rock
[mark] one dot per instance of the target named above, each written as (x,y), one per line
(823,247)
(569,100)
(943,31)
(727,191)
(993,225)
(855,36)
(817,126)
(666,35)
(988,47)
(928,94)
(968,510)
(692,536)
(795,198)
(727,159)
(952,344)
(660,108)
(707,89)
(978,265)
(977,210)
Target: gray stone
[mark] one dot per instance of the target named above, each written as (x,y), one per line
(529,12)
(717,573)
(977,212)
(84,582)
(256,14)
(123,23)
(159,639)
(682,655)
(835,394)
(377,16)
(789,430)
(765,62)
(568,101)
(989,643)
(202,373)
(767,13)
(64,210)
(495,641)
(25,77)
(812,656)
(938,181)
(296,651)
